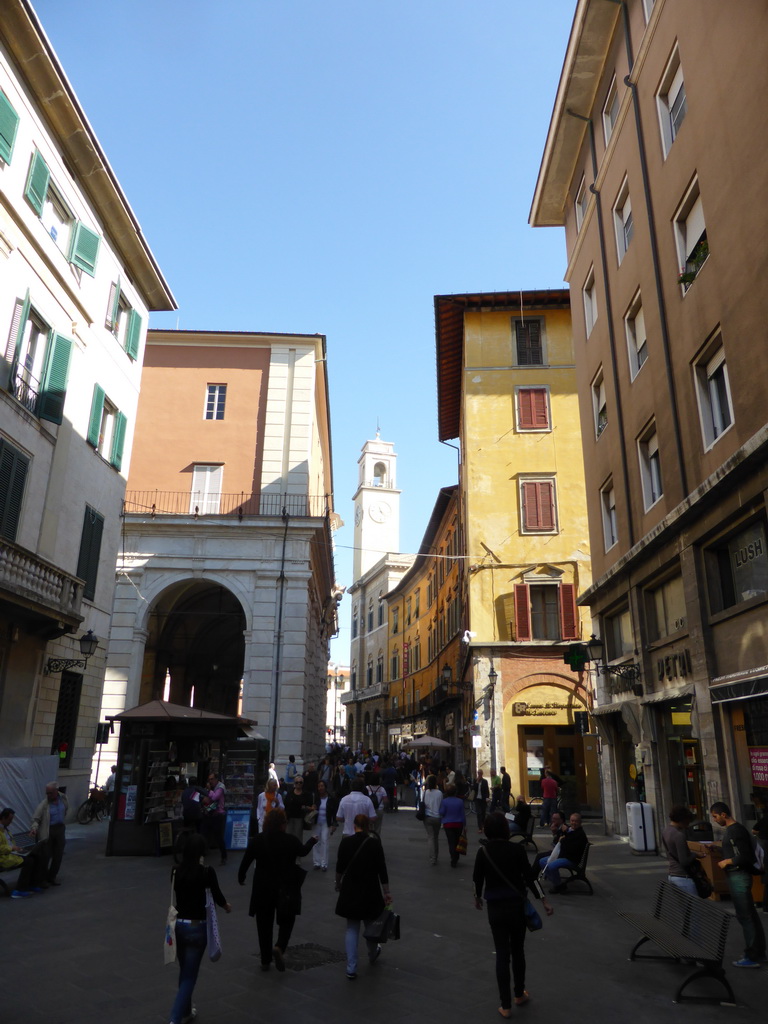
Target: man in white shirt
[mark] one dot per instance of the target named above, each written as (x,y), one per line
(354,803)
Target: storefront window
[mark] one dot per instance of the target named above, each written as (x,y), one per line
(737,569)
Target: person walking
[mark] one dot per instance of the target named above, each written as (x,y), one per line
(549,796)
(362,883)
(296,806)
(268,801)
(326,806)
(482,796)
(379,799)
(502,874)
(190,880)
(454,821)
(506,789)
(48,827)
(276,891)
(433,800)
(738,863)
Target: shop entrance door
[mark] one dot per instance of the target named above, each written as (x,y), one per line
(560,747)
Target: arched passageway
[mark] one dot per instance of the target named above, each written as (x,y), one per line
(196,638)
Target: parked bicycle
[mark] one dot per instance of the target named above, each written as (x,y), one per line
(94,807)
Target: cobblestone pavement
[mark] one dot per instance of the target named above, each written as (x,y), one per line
(89,951)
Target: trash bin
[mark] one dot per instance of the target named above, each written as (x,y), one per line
(640,828)
(701,832)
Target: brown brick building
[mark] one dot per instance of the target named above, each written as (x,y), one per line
(655,165)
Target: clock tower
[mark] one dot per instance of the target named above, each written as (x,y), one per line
(377,506)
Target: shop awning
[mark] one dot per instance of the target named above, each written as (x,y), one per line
(607,709)
(669,694)
(741,689)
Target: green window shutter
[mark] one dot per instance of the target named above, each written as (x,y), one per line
(16,333)
(113,307)
(13,475)
(118,440)
(133,334)
(55,374)
(9,122)
(84,248)
(90,551)
(94,423)
(37,183)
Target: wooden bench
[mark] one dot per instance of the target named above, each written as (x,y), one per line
(689,930)
(25,842)
(578,874)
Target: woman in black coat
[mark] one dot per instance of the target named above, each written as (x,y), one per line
(361,875)
(502,869)
(276,891)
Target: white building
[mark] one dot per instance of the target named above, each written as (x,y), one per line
(77,281)
(377,568)
(226,597)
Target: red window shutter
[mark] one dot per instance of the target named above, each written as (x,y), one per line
(539,412)
(569,615)
(538,506)
(525,409)
(522,612)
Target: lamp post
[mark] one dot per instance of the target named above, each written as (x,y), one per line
(630,675)
(491,690)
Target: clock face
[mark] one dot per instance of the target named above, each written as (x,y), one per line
(379,511)
(358,515)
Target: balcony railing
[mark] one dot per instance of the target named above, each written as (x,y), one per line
(365,693)
(198,503)
(23,573)
(25,389)
(442,693)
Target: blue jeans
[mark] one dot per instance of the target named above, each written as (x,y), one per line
(191,940)
(548,804)
(551,872)
(740,884)
(686,884)
(351,939)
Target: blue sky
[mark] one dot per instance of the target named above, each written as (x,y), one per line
(329,166)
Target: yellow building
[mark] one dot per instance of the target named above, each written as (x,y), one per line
(507,390)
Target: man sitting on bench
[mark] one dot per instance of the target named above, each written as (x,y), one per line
(572,846)
(32,876)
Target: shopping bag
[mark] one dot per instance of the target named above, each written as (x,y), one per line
(532,919)
(461,845)
(384,927)
(212,928)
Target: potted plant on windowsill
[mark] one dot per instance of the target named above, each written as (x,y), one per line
(693,265)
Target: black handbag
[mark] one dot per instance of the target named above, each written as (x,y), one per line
(421,813)
(704,887)
(385,927)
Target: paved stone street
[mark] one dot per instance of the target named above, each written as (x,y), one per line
(90,950)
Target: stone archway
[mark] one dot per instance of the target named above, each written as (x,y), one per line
(195,636)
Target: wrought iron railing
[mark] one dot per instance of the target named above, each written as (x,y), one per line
(25,389)
(197,503)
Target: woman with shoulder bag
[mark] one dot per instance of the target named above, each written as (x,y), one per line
(191,879)
(361,878)
(502,873)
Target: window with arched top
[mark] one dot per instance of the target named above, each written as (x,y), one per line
(380,475)
(369,671)
(370,615)
(380,667)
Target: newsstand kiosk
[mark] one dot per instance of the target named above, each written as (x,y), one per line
(161,746)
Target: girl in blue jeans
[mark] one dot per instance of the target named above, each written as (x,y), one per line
(190,882)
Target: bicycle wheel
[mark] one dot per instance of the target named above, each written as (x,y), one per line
(84,812)
(98,811)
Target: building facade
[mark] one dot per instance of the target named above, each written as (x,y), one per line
(655,167)
(77,282)
(507,391)
(425,653)
(376,568)
(226,597)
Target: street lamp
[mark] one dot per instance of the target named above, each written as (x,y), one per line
(630,674)
(88,643)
